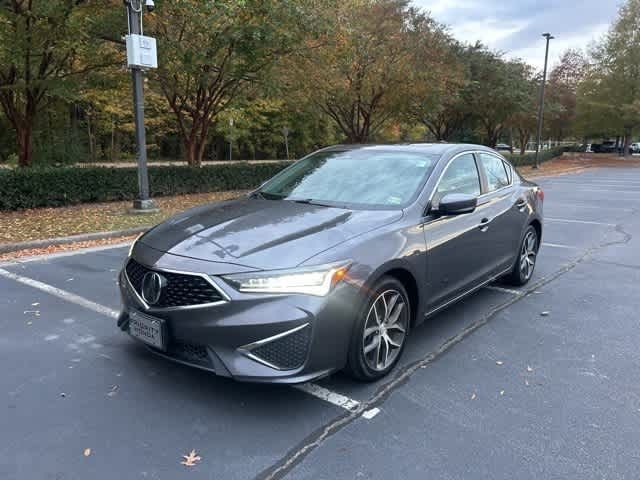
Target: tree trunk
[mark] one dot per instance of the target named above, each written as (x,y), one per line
(25,146)
(627,141)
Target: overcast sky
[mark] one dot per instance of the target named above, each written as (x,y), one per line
(515,26)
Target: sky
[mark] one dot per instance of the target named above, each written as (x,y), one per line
(515,26)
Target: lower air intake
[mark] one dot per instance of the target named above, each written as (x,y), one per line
(285,353)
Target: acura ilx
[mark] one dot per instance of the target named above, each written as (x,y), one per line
(332,263)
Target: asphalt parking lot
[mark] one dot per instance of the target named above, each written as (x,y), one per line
(540,382)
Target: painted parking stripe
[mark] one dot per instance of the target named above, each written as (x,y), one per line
(63,294)
(510,291)
(586,222)
(334,398)
(310,388)
(557,245)
(582,205)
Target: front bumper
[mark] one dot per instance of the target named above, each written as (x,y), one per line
(257,337)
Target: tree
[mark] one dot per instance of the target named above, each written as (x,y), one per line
(211,51)
(357,72)
(609,97)
(437,86)
(561,96)
(42,48)
(498,90)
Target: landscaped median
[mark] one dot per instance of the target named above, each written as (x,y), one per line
(63,186)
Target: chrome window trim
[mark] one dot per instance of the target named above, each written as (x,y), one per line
(502,159)
(182,307)
(246,349)
(446,167)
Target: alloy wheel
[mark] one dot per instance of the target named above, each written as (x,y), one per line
(528,254)
(385,330)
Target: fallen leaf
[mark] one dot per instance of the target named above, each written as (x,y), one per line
(499,362)
(87,452)
(191,459)
(114,391)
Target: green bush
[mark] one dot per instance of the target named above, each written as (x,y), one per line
(55,187)
(529,159)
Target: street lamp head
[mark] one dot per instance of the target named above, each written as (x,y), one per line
(548,36)
(151,6)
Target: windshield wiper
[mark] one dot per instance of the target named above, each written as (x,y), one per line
(310,201)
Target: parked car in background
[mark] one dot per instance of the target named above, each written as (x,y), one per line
(331,263)
(604,147)
(503,147)
(635,147)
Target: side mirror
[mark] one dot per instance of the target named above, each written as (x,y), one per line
(457,204)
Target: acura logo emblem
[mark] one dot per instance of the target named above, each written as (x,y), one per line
(152,285)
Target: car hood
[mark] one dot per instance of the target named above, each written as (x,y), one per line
(262,234)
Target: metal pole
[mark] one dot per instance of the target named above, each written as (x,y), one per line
(143,203)
(549,37)
(230,139)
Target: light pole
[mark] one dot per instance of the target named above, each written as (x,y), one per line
(139,49)
(230,139)
(549,37)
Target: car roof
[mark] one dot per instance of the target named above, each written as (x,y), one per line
(438,149)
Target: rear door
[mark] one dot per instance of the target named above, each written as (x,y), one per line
(505,210)
(456,244)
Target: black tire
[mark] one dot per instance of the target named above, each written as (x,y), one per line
(371,366)
(529,245)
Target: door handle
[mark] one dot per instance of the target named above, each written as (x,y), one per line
(484,224)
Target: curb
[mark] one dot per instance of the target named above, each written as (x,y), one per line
(84,237)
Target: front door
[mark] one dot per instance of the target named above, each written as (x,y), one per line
(456,244)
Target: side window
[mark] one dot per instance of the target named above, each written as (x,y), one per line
(461,176)
(496,174)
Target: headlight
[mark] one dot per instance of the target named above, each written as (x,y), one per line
(311,281)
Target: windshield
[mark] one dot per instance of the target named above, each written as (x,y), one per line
(358,177)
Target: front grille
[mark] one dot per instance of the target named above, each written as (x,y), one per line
(285,353)
(190,353)
(181,290)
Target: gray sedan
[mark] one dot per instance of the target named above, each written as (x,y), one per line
(330,264)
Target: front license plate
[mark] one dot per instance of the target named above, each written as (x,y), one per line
(147,328)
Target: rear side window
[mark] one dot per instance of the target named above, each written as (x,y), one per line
(461,176)
(495,169)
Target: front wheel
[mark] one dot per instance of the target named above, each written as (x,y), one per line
(381,332)
(526,260)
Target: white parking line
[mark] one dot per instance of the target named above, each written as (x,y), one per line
(504,290)
(582,205)
(334,398)
(63,294)
(600,190)
(317,391)
(586,222)
(556,245)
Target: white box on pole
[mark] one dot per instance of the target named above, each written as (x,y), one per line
(141,52)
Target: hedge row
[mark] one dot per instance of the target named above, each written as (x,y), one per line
(529,159)
(55,187)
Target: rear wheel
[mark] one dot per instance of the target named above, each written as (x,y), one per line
(526,260)
(381,332)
